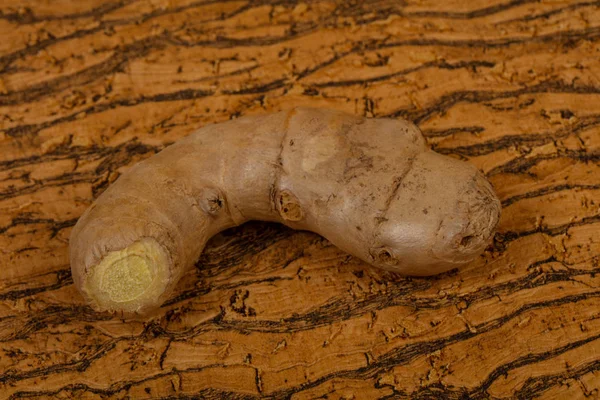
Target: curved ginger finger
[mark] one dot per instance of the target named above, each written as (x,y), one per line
(370,186)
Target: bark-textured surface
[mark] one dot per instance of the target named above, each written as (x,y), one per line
(88,88)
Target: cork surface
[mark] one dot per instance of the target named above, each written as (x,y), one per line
(88,88)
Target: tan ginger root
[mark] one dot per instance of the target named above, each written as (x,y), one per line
(370,186)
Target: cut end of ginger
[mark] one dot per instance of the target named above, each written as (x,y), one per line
(131,278)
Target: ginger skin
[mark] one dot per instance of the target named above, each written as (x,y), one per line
(370,186)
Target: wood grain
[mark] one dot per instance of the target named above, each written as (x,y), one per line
(89,88)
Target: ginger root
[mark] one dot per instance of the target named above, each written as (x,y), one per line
(370,186)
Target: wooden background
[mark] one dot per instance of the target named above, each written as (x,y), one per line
(88,88)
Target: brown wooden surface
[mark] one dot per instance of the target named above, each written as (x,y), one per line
(88,88)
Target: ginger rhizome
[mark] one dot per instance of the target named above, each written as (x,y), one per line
(370,186)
